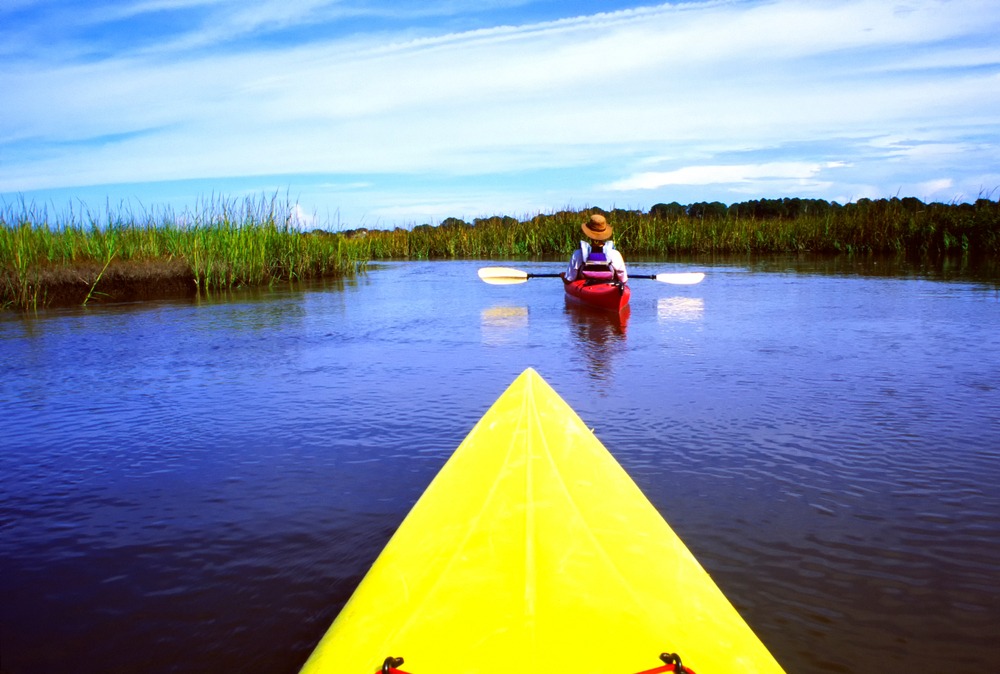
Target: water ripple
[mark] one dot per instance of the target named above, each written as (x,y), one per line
(199,487)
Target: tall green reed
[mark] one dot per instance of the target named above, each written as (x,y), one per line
(224,244)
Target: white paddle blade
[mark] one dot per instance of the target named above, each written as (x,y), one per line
(684,279)
(502,276)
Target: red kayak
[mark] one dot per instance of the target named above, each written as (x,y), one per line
(606,296)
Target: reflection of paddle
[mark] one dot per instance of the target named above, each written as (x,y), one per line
(506,276)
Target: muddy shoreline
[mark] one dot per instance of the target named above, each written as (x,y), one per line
(91,283)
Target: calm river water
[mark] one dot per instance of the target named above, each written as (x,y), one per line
(199,485)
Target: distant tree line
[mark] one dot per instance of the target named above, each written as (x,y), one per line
(894,225)
(792,208)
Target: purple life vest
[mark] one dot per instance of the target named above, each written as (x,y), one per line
(597,266)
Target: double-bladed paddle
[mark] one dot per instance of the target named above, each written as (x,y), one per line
(507,276)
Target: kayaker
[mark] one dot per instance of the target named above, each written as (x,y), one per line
(597,260)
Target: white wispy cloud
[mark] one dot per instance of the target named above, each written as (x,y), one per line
(709,175)
(727,95)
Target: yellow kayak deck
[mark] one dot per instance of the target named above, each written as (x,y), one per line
(533,551)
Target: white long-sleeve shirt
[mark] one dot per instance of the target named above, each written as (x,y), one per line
(579,258)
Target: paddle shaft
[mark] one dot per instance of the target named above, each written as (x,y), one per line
(508,276)
(631,276)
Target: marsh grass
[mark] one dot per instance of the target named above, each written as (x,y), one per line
(226,244)
(895,226)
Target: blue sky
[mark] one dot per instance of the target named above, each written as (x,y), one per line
(374,114)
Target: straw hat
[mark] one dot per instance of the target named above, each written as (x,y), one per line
(597,228)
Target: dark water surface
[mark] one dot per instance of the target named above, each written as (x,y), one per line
(200,486)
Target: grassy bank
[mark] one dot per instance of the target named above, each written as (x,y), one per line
(895,226)
(82,259)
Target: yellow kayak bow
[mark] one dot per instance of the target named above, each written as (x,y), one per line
(533,551)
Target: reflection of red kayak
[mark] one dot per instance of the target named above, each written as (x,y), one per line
(607,296)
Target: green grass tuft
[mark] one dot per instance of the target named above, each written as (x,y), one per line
(226,245)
